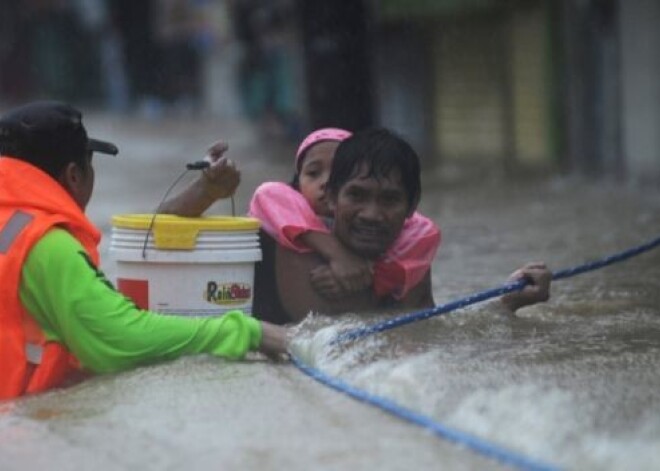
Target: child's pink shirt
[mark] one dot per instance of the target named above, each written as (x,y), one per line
(285,215)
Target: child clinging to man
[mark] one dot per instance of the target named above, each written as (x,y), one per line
(299,217)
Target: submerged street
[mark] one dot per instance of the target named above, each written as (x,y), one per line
(573,382)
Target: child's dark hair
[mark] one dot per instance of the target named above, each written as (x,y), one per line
(382,151)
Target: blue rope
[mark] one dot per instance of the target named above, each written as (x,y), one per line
(481,446)
(488,294)
(476,444)
(617,257)
(421,315)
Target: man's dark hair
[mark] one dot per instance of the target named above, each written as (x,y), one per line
(382,151)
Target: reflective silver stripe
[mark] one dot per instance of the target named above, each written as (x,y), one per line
(33,353)
(14,226)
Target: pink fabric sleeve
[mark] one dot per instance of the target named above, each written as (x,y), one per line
(284,214)
(409,259)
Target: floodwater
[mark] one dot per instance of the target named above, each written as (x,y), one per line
(573,382)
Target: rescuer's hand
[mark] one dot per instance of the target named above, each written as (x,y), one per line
(275,341)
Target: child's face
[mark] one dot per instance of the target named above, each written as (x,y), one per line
(314,174)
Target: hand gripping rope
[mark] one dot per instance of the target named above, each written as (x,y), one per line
(474,443)
(491,293)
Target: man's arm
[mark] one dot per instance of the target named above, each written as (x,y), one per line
(75,305)
(537,290)
(218,181)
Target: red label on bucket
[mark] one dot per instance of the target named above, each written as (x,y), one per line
(137,290)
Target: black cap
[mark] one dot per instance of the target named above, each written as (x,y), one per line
(48,134)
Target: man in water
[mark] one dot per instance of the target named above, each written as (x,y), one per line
(374,185)
(60,318)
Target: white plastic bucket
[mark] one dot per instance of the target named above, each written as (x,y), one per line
(186,266)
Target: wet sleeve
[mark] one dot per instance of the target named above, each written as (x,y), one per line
(285,214)
(409,259)
(74,304)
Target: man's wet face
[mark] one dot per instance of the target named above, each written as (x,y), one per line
(370,212)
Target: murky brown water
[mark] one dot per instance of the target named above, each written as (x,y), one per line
(573,382)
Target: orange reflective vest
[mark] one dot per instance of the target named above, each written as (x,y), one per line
(31,203)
